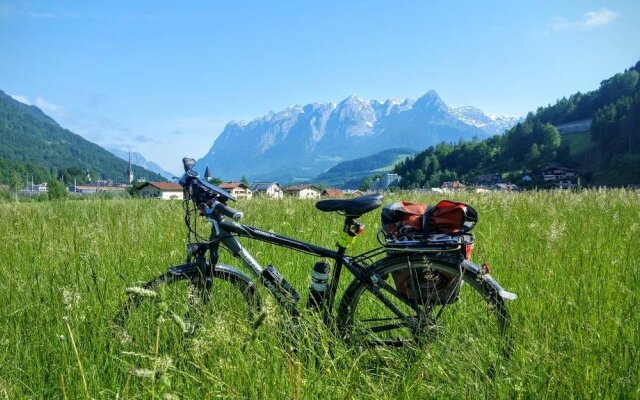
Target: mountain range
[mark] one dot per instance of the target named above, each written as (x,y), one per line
(300,142)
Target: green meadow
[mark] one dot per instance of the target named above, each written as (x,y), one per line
(572,258)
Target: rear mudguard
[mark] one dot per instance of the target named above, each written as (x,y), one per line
(484,278)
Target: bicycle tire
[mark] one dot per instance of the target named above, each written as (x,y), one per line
(171,307)
(471,313)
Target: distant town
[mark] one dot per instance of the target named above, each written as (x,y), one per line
(552,175)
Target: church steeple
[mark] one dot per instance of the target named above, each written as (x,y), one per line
(130,171)
(207,173)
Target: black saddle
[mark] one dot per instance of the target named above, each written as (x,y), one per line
(351,207)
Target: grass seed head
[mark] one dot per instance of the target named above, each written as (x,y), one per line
(141,291)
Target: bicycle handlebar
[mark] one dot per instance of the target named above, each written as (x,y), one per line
(225,210)
(206,194)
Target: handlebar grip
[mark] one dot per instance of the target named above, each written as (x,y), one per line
(226,210)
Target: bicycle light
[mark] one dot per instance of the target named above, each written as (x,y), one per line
(468,249)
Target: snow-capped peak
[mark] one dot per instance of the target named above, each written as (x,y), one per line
(490,123)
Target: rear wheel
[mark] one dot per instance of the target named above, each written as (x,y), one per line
(440,304)
(160,314)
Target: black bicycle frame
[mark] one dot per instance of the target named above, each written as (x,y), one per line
(225,231)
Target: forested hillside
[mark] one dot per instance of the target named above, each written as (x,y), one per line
(350,174)
(611,155)
(33,143)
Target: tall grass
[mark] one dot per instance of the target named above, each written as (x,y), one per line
(571,257)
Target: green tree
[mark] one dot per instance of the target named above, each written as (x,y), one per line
(15,183)
(532,159)
(366,184)
(244,180)
(56,189)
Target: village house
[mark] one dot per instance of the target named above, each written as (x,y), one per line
(161,190)
(352,193)
(487,180)
(268,189)
(556,172)
(452,186)
(238,189)
(386,181)
(505,187)
(302,191)
(332,193)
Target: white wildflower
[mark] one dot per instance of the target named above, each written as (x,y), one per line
(557,230)
(70,298)
(163,363)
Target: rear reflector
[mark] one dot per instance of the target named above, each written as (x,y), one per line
(468,249)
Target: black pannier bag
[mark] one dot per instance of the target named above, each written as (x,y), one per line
(425,225)
(427,287)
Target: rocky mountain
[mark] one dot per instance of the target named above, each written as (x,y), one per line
(139,160)
(490,123)
(303,141)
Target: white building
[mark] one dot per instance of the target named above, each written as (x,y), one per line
(238,189)
(162,190)
(303,191)
(269,189)
(386,180)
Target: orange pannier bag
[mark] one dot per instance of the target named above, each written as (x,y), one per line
(446,217)
(451,218)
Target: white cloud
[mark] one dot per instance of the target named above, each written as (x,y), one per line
(52,109)
(21,99)
(48,107)
(589,20)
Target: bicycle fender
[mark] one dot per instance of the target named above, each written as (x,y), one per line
(488,281)
(235,273)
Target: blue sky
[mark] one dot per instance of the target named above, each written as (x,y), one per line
(163,78)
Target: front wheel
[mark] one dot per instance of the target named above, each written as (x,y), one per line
(438,303)
(158,315)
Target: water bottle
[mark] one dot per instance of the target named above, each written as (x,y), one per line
(318,286)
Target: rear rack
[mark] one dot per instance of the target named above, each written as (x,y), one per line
(435,244)
(429,244)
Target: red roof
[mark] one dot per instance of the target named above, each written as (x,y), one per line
(333,192)
(166,186)
(298,188)
(232,185)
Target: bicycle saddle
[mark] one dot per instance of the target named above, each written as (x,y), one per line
(351,207)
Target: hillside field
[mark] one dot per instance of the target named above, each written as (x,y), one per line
(572,258)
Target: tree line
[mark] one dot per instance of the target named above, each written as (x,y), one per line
(615,135)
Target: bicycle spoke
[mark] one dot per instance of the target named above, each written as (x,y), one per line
(438,304)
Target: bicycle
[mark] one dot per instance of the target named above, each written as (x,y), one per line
(401,292)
